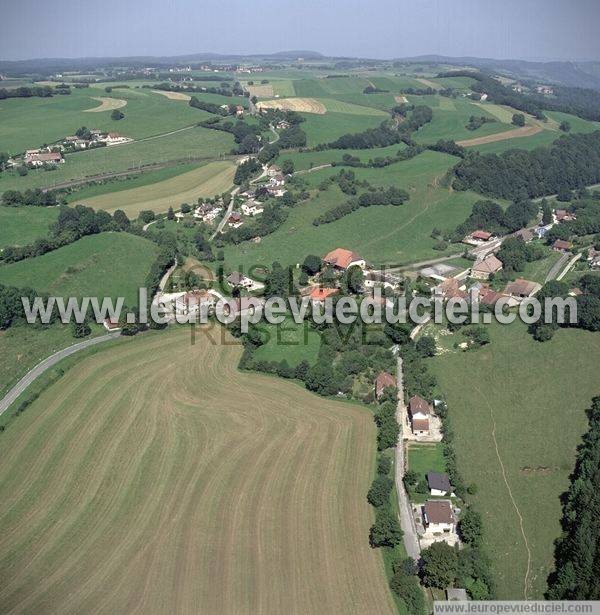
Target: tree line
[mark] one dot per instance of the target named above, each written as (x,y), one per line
(573,161)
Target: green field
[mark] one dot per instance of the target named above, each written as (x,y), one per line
(289,341)
(132,483)
(331,125)
(423,458)
(22,225)
(205,181)
(396,235)
(450,117)
(192,143)
(23,346)
(518,412)
(31,122)
(104,265)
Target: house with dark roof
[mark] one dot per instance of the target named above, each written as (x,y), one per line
(438,517)
(560,245)
(485,267)
(521,288)
(439,483)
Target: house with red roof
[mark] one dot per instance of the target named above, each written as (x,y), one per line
(343,259)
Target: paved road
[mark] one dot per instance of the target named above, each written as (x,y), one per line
(46,364)
(556,268)
(227,214)
(411,542)
(570,264)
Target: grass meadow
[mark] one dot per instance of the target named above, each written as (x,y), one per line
(250,500)
(103,265)
(204,181)
(194,142)
(22,225)
(518,412)
(382,234)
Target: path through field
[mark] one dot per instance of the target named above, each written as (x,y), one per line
(156,478)
(510,493)
(517,133)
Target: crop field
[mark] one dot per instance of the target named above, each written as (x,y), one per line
(395,235)
(192,142)
(151,490)
(31,122)
(97,265)
(301,105)
(264,90)
(22,225)
(106,104)
(205,181)
(173,95)
(518,413)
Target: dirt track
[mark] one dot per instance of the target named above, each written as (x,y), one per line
(517,133)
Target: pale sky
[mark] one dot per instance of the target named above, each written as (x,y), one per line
(523,29)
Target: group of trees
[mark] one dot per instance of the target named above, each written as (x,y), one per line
(11,307)
(72,224)
(588,307)
(577,555)
(490,216)
(476,122)
(224,90)
(292,137)
(246,170)
(573,161)
(40,91)
(244,134)
(34,197)
(515,253)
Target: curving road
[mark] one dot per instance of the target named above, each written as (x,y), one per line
(46,364)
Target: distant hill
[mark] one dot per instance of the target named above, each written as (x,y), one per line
(582,74)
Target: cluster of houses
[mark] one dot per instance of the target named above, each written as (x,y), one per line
(208,212)
(251,205)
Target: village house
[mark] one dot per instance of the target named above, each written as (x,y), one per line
(439,272)
(562,215)
(235,220)
(438,517)
(521,289)
(239,280)
(344,259)
(319,294)
(439,484)
(275,191)
(384,381)
(111,324)
(273,170)
(419,412)
(252,208)
(277,180)
(593,258)
(525,234)
(540,231)
(35,158)
(114,138)
(379,279)
(478,237)
(485,267)
(192,302)
(560,245)
(239,110)
(207,212)
(449,289)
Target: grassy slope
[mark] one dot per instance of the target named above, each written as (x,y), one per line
(289,341)
(195,142)
(250,501)
(22,225)
(204,181)
(108,264)
(331,125)
(534,396)
(380,234)
(30,122)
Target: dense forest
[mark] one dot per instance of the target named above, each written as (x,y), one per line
(578,550)
(573,161)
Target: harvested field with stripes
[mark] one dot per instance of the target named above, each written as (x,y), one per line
(173,95)
(302,105)
(156,478)
(106,104)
